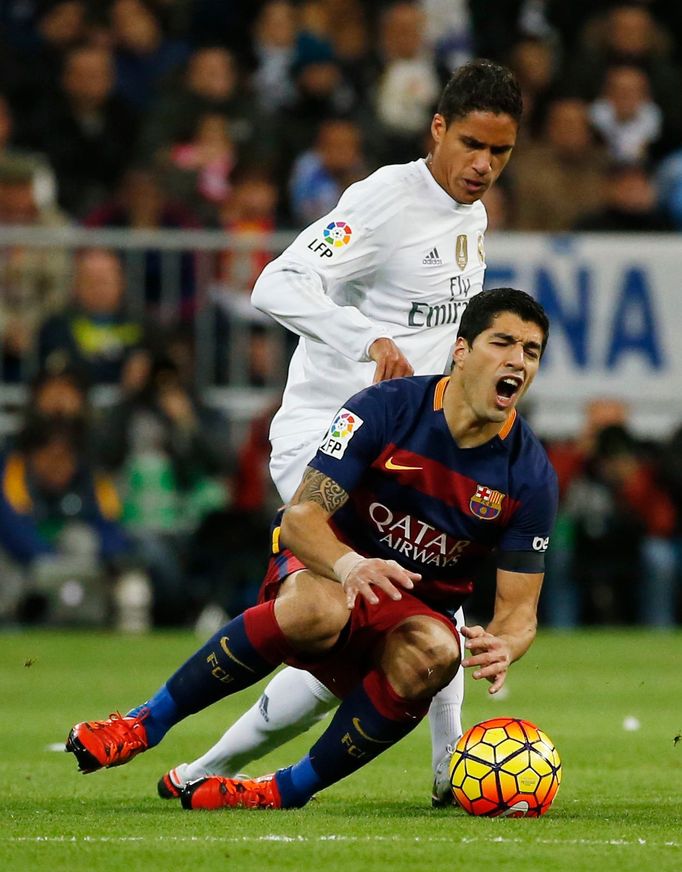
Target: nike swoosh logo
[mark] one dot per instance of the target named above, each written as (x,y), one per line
(226,648)
(397,466)
(356,724)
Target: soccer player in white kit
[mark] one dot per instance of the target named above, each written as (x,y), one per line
(375,290)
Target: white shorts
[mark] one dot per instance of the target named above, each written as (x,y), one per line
(289,457)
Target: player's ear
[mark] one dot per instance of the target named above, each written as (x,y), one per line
(459,352)
(438,127)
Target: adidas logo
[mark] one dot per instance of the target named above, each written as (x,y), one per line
(432,258)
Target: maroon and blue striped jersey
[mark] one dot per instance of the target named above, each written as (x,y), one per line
(437,509)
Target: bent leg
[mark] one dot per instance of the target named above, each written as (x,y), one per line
(416,659)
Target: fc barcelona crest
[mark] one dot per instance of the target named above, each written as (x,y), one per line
(462,251)
(486,503)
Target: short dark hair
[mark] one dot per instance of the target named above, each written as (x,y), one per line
(482,310)
(481,86)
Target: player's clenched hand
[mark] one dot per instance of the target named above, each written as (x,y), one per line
(490,656)
(368,572)
(389,359)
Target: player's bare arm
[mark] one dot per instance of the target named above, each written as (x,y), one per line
(389,359)
(306,532)
(511,631)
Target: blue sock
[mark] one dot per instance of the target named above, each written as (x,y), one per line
(357,734)
(298,783)
(227,663)
(161,714)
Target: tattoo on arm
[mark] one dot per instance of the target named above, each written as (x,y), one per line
(319,488)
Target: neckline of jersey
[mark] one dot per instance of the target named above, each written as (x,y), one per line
(438,399)
(441,193)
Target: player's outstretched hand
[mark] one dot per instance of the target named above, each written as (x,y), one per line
(389,359)
(490,656)
(371,572)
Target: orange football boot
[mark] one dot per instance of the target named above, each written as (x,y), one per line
(113,742)
(170,785)
(216,791)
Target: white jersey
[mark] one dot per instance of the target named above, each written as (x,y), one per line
(397,257)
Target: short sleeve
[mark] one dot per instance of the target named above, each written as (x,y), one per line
(354,439)
(533,522)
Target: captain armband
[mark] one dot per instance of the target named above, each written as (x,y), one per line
(521,561)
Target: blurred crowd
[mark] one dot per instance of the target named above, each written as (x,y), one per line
(253,116)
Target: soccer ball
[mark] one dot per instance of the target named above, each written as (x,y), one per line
(505,767)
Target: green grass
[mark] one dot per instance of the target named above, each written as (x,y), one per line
(619,807)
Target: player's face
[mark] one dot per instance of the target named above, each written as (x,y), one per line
(500,366)
(469,153)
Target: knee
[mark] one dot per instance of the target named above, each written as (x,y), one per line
(423,659)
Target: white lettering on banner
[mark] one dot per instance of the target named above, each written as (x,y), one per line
(616,322)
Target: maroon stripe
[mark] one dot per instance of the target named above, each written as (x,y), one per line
(265,634)
(435,480)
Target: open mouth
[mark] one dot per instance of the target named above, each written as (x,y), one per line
(506,389)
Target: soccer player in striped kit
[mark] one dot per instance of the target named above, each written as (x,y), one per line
(415,482)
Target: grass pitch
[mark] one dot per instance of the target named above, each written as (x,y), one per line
(619,806)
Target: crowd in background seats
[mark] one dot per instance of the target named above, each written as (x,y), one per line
(254,116)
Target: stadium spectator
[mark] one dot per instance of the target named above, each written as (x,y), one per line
(352,37)
(561,601)
(495,35)
(535,62)
(448,33)
(627,33)
(59,522)
(142,202)
(321,93)
(94,334)
(90,130)
(37,47)
(408,87)
(558,178)
(624,115)
(144,56)
(44,182)
(319,176)
(33,281)
(212,83)
(251,208)
(629,204)
(274,44)
(623,524)
(198,169)
(169,451)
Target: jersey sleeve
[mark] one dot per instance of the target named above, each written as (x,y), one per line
(533,522)
(350,242)
(355,438)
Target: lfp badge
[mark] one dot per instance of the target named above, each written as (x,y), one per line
(486,503)
(343,428)
(337,234)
